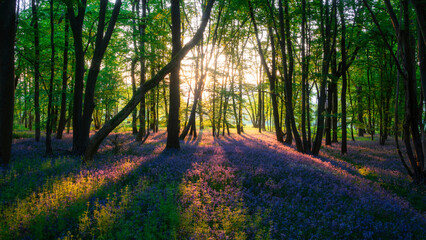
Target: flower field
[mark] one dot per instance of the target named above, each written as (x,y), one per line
(235,187)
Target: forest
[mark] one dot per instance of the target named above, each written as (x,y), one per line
(212,119)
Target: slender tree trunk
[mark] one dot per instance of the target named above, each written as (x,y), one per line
(344,80)
(62,120)
(289,79)
(222,94)
(225,110)
(36,69)
(166,105)
(360,112)
(101,44)
(234,104)
(370,123)
(142,27)
(76,23)
(133,65)
(153,114)
(328,116)
(191,122)
(147,117)
(411,126)
(260,109)
(187,101)
(97,139)
(134,113)
(70,112)
(352,109)
(7,80)
(50,111)
(240,101)
(325,32)
(25,104)
(422,62)
(173,124)
(214,96)
(271,74)
(306,145)
(157,122)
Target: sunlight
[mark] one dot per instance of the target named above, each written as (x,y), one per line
(213,206)
(64,192)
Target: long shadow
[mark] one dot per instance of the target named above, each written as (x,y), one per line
(31,168)
(295,187)
(271,181)
(167,166)
(191,139)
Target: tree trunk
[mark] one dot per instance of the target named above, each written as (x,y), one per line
(328,116)
(36,69)
(214,96)
(101,44)
(259,93)
(197,95)
(7,80)
(325,32)
(97,139)
(50,111)
(420,8)
(361,129)
(352,108)
(289,70)
(62,120)
(240,101)
(157,122)
(174,123)
(344,80)
(225,107)
(271,74)
(370,122)
(25,104)
(142,27)
(134,113)
(411,125)
(133,65)
(76,23)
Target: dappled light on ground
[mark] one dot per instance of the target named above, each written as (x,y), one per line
(235,187)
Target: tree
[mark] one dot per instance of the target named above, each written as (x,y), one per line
(52,76)
(76,22)
(142,27)
(203,56)
(62,120)
(325,35)
(34,4)
(306,144)
(82,118)
(7,77)
(173,123)
(407,69)
(271,73)
(344,80)
(97,139)
(288,75)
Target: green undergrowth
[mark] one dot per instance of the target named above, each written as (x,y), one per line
(17,134)
(51,198)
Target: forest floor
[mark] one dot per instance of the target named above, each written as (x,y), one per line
(245,186)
